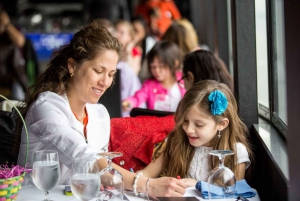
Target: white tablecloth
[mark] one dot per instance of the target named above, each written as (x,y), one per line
(31,193)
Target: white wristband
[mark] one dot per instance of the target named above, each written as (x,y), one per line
(137,176)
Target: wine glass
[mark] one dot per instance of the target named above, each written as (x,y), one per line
(85,180)
(221,180)
(112,186)
(45,170)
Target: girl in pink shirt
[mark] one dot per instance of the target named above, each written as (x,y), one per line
(162,91)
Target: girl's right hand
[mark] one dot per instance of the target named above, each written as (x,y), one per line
(126,106)
(166,187)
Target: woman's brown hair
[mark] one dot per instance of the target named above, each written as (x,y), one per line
(86,44)
(179,153)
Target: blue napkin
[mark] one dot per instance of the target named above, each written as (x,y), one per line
(242,189)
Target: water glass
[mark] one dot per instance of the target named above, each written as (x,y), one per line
(45,171)
(85,180)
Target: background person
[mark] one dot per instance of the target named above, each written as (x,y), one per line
(158,91)
(13,79)
(125,34)
(203,65)
(159,14)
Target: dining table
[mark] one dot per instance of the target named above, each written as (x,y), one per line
(32,193)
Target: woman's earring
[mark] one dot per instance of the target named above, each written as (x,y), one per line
(71,74)
(219,134)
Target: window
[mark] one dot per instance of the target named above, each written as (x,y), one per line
(279,117)
(270,58)
(262,58)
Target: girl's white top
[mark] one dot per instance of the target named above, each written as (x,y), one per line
(199,168)
(52,125)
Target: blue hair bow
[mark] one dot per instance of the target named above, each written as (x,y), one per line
(218,101)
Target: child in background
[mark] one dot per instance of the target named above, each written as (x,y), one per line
(206,119)
(157,91)
(203,65)
(125,35)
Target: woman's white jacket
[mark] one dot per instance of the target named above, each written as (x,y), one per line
(52,126)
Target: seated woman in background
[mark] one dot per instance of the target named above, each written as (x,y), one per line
(62,113)
(206,119)
(203,65)
(161,91)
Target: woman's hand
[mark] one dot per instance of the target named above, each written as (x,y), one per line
(189,182)
(166,187)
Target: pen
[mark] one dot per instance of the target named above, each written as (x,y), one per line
(131,170)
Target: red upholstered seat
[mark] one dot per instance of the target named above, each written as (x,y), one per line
(136,137)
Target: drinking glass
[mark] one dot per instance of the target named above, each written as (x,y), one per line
(85,180)
(221,177)
(45,171)
(112,186)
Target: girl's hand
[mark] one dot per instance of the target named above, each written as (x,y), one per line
(189,182)
(126,106)
(166,187)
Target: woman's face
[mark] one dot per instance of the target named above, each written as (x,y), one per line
(199,127)
(92,78)
(159,70)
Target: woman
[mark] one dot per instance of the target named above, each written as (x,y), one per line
(62,113)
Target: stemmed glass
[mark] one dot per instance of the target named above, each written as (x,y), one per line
(45,171)
(112,186)
(85,180)
(221,178)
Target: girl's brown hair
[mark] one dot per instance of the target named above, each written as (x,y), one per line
(178,152)
(205,66)
(86,44)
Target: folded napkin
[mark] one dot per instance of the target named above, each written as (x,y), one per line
(242,189)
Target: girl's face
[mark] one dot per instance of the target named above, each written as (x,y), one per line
(123,34)
(92,78)
(159,70)
(199,127)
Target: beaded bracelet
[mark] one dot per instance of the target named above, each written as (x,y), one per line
(137,176)
(147,185)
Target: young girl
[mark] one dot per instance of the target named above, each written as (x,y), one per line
(125,34)
(203,65)
(161,91)
(206,119)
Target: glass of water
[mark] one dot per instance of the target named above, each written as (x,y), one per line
(85,180)
(45,170)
